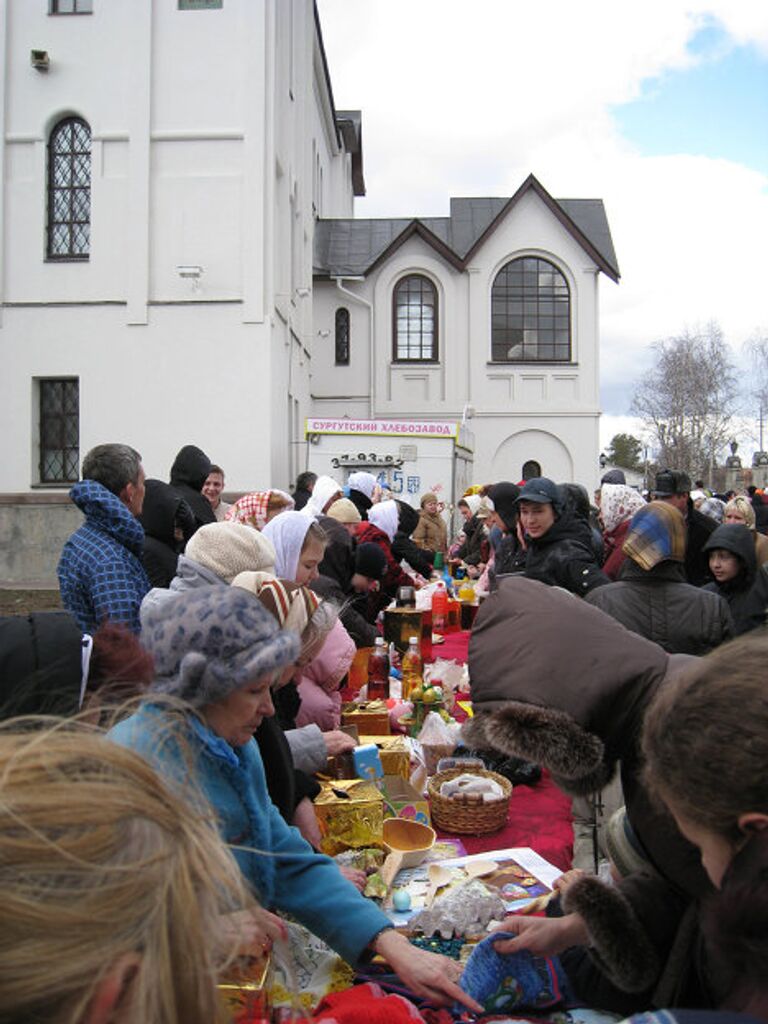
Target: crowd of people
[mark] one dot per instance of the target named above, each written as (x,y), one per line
(225,630)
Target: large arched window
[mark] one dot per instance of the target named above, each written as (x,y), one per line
(530,313)
(342,336)
(69,190)
(414,314)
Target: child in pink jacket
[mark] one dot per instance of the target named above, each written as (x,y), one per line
(319,681)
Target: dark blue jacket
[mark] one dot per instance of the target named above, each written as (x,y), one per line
(100,571)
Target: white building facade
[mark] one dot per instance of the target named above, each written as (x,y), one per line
(180,265)
(490,314)
(163,166)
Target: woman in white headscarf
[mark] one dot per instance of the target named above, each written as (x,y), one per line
(381,529)
(364,491)
(299,544)
(324,493)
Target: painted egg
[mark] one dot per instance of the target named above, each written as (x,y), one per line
(401,900)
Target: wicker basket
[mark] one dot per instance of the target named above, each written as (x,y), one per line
(466,819)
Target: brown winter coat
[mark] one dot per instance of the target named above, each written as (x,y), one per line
(558,682)
(431,534)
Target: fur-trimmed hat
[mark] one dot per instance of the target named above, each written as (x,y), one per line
(212,641)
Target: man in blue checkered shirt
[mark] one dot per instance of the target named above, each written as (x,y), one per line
(100,572)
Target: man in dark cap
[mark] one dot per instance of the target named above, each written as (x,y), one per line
(674,487)
(558,542)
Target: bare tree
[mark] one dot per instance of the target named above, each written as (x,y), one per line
(687,400)
(756,348)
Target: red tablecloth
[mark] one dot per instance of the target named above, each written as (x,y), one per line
(539,816)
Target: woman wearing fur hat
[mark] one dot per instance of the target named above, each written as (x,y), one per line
(219,651)
(578,722)
(431,533)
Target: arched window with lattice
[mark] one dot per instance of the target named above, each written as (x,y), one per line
(69,190)
(530,313)
(342,336)
(414,315)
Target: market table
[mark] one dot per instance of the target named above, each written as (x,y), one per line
(539,816)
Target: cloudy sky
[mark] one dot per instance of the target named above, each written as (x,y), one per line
(659,108)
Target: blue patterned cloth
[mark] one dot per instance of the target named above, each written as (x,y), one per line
(100,572)
(513,981)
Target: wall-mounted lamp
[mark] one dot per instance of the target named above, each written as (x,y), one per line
(39,60)
(303,293)
(324,334)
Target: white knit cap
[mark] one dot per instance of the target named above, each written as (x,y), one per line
(231,548)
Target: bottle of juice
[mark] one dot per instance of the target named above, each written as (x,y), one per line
(467,590)
(378,671)
(413,669)
(439,608)
(438,564)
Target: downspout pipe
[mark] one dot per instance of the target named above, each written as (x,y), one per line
(363,302)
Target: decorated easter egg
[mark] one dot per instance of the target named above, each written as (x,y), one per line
(401,899)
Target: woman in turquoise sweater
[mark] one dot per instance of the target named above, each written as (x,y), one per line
(217,650)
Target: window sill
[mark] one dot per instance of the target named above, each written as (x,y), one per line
(66,259)
(534,362)
(423,363)
(53,485)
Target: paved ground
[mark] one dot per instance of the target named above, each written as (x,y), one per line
(22,602)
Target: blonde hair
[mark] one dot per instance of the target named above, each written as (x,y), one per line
(743,506)
(100,860)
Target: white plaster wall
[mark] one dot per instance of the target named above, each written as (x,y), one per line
(204,127)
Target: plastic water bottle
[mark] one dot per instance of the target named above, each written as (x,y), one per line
(413,668)
(439,608)
(378,672)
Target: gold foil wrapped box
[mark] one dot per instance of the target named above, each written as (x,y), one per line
(395,758)
(244,991)
(350,815)
(371,719)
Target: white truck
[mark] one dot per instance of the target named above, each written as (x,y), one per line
(410,457)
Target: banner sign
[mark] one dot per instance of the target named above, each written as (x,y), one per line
(383,428)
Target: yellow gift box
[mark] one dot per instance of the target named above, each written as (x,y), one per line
(395,758)
(371,719)
(350,815)
(244,991)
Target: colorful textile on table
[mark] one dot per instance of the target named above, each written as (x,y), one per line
(367,1003)
(503,982)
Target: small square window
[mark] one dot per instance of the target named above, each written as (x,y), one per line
(71,7)
(59,430)
(200,5)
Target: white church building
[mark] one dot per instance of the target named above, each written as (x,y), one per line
(181,264)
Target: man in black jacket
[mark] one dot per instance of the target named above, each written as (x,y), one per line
(674,487)
(189,472)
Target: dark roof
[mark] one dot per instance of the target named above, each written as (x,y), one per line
(349,124)
(352,248)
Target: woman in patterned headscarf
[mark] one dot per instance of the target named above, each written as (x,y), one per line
(618,503)
(258,508)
